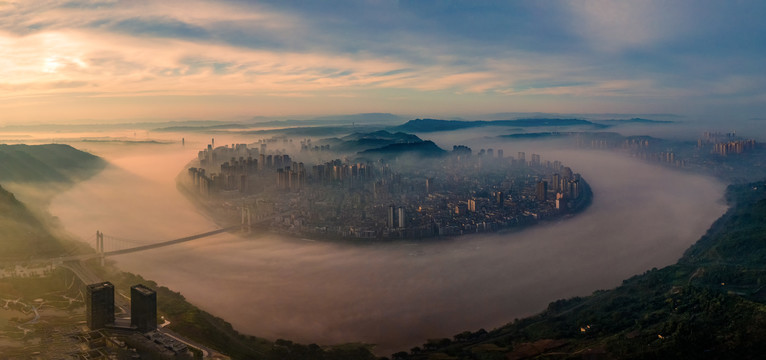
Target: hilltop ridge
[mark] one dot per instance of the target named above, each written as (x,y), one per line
(46,163)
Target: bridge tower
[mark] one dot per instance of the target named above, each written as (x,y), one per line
(100,245)
(245,219)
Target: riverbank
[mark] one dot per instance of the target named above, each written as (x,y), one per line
(708,305)
(278,287)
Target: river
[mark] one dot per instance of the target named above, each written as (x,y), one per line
(394,295)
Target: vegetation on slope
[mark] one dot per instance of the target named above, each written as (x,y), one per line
(22,235)
(709,305)
(46,163)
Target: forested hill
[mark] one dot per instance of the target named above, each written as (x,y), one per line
(422,149)
(710,305)
(46,163)
(22,235)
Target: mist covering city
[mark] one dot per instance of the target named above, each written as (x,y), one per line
(283,181)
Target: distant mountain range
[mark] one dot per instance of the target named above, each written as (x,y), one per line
(379,119)
(432,125)
(588,116)
(202,128)
(633,121)
(538,135)
(361,119)
(601,135)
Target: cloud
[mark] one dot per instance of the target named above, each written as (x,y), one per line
(69,84)
(158,27)
(591,50)
(612,26)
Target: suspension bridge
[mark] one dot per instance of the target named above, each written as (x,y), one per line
(112,245)
(126,246)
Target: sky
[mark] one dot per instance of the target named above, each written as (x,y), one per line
(104,60)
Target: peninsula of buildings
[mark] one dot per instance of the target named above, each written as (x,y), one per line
(406,189)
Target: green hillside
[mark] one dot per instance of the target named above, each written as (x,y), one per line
(46,163)
(710,305)
(22,235)
(48,168)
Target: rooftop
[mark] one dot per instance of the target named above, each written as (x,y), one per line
(101,285)
(143,289)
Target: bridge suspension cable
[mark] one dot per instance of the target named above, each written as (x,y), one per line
(118,238)
(117,243)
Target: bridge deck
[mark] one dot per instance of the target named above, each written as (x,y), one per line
(169,242)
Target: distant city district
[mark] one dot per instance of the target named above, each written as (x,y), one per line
(394,197)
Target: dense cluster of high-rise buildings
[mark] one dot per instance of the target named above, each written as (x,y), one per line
(733,147)
(725,144)
(397,197)
(666,152)
(229,168)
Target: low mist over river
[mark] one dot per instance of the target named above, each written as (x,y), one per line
(400,294)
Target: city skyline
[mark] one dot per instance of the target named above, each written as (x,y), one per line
(71,61)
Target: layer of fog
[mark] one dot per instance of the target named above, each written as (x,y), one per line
(395,295)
